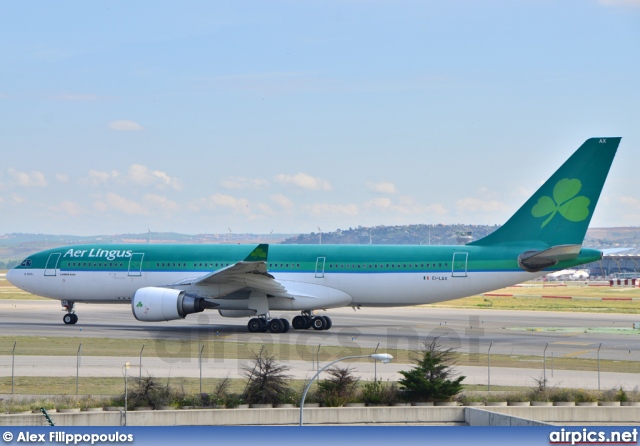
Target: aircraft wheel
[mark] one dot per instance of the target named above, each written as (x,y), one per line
(309,321)
(318,323)
(276,326)
(75,318)
(328,321)
(68,319)
(299,323)
(255,325)
(286,325)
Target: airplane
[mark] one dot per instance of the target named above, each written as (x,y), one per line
(168,282)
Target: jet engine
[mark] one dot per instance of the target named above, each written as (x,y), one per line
(153,304)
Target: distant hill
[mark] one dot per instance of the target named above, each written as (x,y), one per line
(450,235)
(397,235)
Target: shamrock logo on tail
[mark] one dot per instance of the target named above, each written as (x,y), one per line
(564,201)
(258,253)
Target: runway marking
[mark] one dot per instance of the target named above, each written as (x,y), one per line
(571,343)
(578,353)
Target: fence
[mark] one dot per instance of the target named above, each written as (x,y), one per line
(97,366)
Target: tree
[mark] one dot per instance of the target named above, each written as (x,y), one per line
(432,378)
(340,388)
(268,382)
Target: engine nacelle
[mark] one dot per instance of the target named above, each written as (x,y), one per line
(237,313)
(153,304)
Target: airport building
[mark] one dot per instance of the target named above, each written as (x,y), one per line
(617,263)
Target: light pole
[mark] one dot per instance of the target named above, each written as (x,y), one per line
(13,364)
(385,358)
(544,365)
(140,376)
(320,231)
(126,367)
(489,367)
(599,366)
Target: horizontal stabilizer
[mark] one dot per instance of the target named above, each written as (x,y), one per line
(534,261)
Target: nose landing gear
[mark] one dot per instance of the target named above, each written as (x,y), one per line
(71,317)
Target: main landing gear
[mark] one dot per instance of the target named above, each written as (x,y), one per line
(71,317)
(308,320)
(262,324)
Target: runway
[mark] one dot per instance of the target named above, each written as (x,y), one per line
(469,331)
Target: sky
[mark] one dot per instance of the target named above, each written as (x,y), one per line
(289,116)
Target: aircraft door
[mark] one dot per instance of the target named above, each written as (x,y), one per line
(52,264)
(459,264)
(320,267)
(135,264)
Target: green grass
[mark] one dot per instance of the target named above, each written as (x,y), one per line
(108,386)
(217,348)
(589,299)
(8,291)
(59,346)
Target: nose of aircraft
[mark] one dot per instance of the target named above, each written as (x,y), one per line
(11,277)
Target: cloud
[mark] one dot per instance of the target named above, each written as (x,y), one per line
(384,187)
(381,202)
(629,3)
(125,126)
(62,178)
(24,179)
(304,181)
(282,201)
(243,183)
(17,199)
(114,202)
(74,97)
(158,202)
(69,208)
(97,177)
(143,176)
(468,204)
(405,205)
(222,200)
(327,208)
(138,175)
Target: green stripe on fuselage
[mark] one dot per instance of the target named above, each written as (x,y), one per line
(291,258)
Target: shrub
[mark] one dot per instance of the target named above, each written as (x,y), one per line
(377,392)
(615,395)
(147,392)
(431,379)
(340,388)
(562,395)
(585,396)
(268,382)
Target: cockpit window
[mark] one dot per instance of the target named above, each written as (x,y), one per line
(26,263)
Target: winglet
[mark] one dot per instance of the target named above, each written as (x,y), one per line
(259,254)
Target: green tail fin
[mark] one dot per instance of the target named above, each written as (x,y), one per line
(560,211)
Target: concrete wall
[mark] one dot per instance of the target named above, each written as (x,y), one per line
(575,415)
(484,417)
(321,415)
(496,416)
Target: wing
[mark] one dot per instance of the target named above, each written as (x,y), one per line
(250,273)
